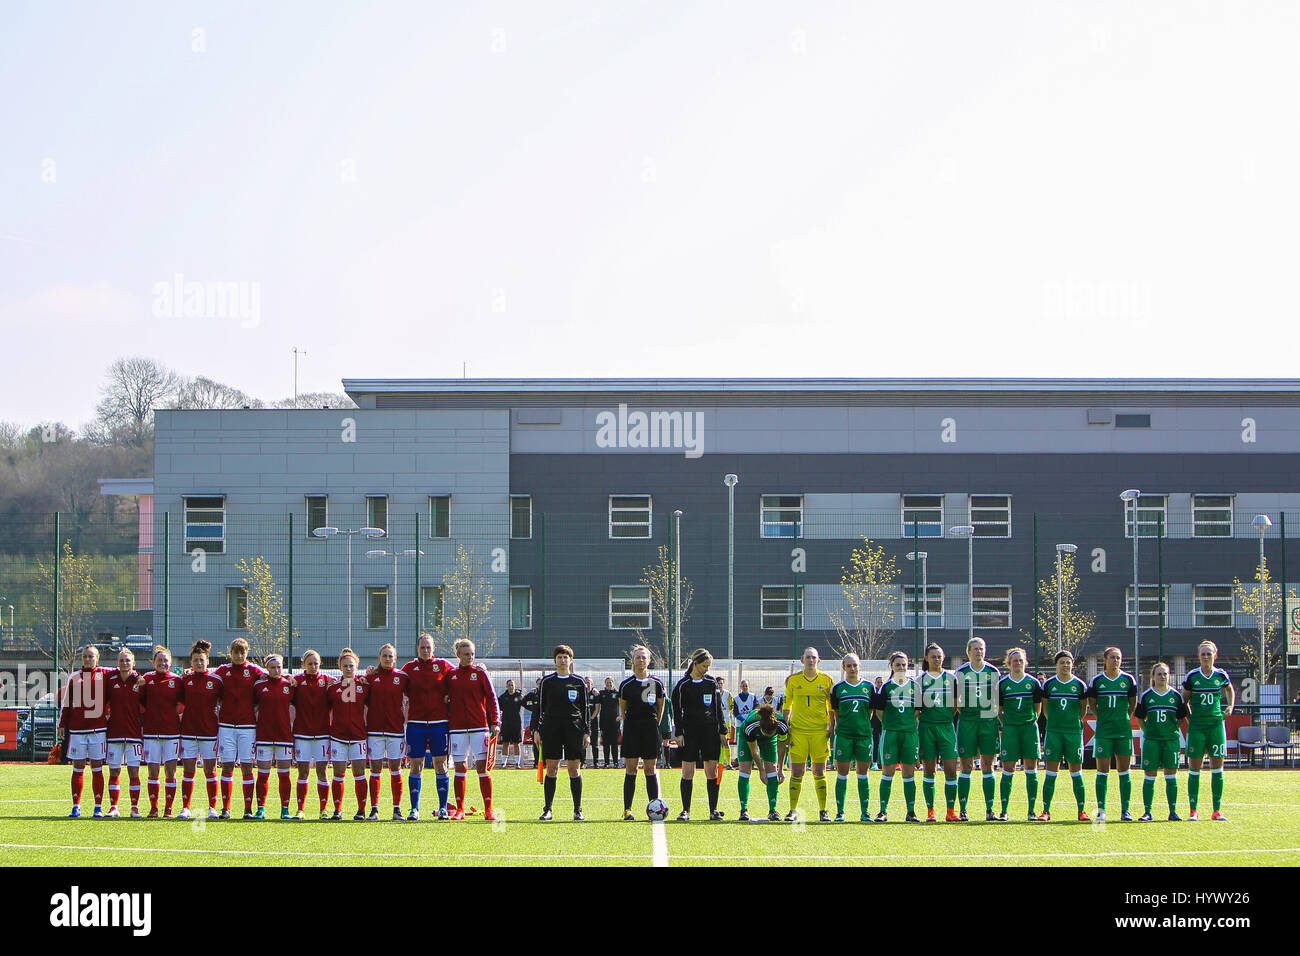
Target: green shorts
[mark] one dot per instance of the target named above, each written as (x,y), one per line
(849,749)
(1103,748)
(976,736)
(766,749)
(1159,754)
(1062,746)
(938,741)
(898,746)
(1019,742)
(1206,741)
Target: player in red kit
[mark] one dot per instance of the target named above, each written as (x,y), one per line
(347,699)
(84,721)
(426,721)
(237,726)
(385,726)
(124,743)
(311,730)
(474,721)
(272,705)
(199,728)
(161,695)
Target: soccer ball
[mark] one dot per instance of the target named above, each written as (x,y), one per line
(656,810)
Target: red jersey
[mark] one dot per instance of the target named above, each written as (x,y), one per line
(85,700)
(473,703)
(311,705)
(202,701)
(162,696)
(348,708)
(427,692)
(273,696)
(387,691)
(123,705)
(237,693)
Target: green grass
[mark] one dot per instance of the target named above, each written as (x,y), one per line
(1263,830)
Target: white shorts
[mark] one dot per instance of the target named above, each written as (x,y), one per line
(198,748)
(129,751)
(383,747)
(274,753)
(160,750)
(346,751)
(236,745)
(469,746)
(310,749)
(87,744)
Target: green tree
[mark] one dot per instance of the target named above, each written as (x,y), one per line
(869,584)
(265,618)
(1263,597)
(466,607)
(658,578)
(1077,625)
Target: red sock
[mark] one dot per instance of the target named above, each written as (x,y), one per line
(302,792)
(460,791)
(284,789)
(322,791)
(97,784)
(374,788)
(212,791)
(485,787)
(227,784)
(263,781)
(248,788)
(360,784)
(171,793)
(395,784)
(187,791)
(153,794)
(135,793)
(336,787)
(77,780)
(114,791)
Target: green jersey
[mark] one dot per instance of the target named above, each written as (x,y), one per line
(938,695)
(1062,703)
(1160,714)
(1018,699)
(897,705)
(852,706)
(752,728)
(1206,701)
(977,691)
(1110,697)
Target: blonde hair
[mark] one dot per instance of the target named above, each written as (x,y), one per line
(976,640)
(1016,650)
(349,652)
(93,649)
(1210,644)
(845,659)
(128,652)
(463,642)
(275,657)
(309,653)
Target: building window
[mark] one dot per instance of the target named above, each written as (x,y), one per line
(781,609)
(1153,517)
(1212,516)
(1214,605)
(933,605)
(629,608)
(990,515)
(432,606)
(992,606)
(782,516)
(521,516)
(439,516)
(318,514)
(521,608)
(205,524)
(237,609)
(377,512)
(1132,421)
(376,607)
(629,516)
(925,513)
(1152,601)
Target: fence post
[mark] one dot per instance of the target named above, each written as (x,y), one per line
(1160,587)
(1038,642)
(419,587)
(546,598)
(920,602)
(58,587)
(1286,624)
(167,581)
(289,635)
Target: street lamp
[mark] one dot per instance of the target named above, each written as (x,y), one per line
(1263,523)
(1133,495)
(677,581)
(380,553)
(967,531)
(730,481)
(923,607)
(329,532)
(1061,551)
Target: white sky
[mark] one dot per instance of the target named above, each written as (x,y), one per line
(648,188)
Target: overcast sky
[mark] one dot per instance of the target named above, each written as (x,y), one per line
(645,188)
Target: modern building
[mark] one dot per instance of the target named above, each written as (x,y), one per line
(560,494)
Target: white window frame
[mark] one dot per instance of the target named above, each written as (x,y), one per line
(370,512)
(779,523)
(932,591)
(1152,617)
(625,510)
(424,606)
(763,614)
(202,543)
(433,528)
(371,591)
(649,614)
(232,591)
(904,509)
(529,591)
(529,535)
(1010,607)
(1151,523)
(311,525)
(1198,613)
(980,524)
(1196,522)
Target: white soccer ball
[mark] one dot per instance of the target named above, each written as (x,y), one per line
(656,810)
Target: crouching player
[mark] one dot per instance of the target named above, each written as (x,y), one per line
(757,746)
(474,721)
(347,702)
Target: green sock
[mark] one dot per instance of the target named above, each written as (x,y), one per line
(963,790)
(819,784)
(841,791)
(773,793)
(1049,788)
(886,784)
(1148,793)
(864,792)
(1102,780)
(1171,791)
(1005,789)
(927,788)
(950,792)
(1031,788)
(988,791)
(1076,778)
(909,793)
(1193,787)
(1125,791)
(742,789)
(796,784)
(1216,788)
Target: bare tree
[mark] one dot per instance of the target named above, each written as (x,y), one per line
(76,605)
(869,583)
(136,386)
(658,578)
(1264,662)
(466,607)
(264,614)
(203,392)
(315,400)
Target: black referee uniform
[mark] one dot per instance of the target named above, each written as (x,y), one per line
(512,731)
(607,714)
(532,704)
(698,719)
(640,732)
(564,710)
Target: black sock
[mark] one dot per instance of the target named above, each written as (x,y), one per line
(629,790)
(686,795)
(575,788)
(652,785)
(712,786)
(548,788)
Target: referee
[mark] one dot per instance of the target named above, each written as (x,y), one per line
(564,730)
(512,731)
(532,704)
(607,710)
(701,730)
(641,703)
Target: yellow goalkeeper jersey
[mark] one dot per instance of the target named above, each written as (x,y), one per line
(809,701)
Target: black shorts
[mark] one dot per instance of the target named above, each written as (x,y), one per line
(511,735)
(701,746)
(564,743)
(641,743)
(609,733)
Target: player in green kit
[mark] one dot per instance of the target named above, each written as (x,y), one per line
(977,723)
(898,702)
(1021,699)
(1065,698)
(1161,709)
(937,734)
(756,744)
(851,701)
(1203,690)
(1113,698)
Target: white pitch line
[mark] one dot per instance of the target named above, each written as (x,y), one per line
(1000,856)
(299,853)
(659,841)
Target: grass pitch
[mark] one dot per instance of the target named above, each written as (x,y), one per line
(1263,829)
